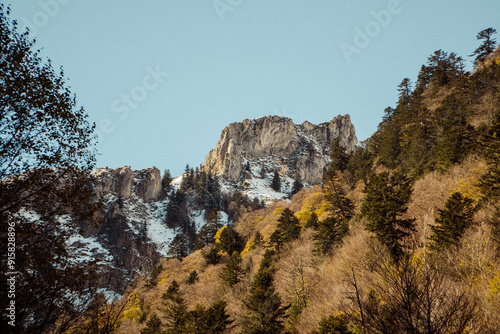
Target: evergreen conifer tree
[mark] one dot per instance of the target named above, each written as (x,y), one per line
(341,206)
(265,311)
(312,222)
(328,233)
(212,256)
(490,181)
(288,229)
(276,182)
(338,157)
(208,231)
(192,278)
(175,309)
(487,47)
(153,326)
(232,272)
(297,184)
(166,180)
(229,240)
(452,221)
(179,246)
(384,205)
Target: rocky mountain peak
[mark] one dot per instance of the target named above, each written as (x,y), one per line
(276,143)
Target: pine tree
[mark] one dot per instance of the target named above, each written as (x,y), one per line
(328,233)
(179,247)
(212,320)
(176,210)
(276,182)
(452,221)
(334,324)
(265,311)
(153,280)
(232,272)
(166,180)
(217,318)
(490,181)
(313,221)
(341,206)
(153,326)
(487,47)
(297,184)
(187,179)
(229,240)
(338,157)
(192,278)
(384,205)
(212,256)
(288,229)
(175,309)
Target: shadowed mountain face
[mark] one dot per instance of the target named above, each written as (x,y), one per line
(276,143)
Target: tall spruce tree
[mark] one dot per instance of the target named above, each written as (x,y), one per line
(266,314)
(232,272)
(452,221)
(175,309)
(288,229)
(384,206)
(328,233)
(153,326)
(276,182)
(487,47)
(166,180)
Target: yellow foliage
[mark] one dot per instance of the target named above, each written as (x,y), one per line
(134,312)
(467,186)
(493,295)
(247,249)
(278,211)
(218,234)
(314,202)
(303,215)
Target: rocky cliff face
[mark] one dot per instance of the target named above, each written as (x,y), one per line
(276,143)
(120,181)
(132,237)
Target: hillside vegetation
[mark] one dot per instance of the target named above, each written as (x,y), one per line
(402,237)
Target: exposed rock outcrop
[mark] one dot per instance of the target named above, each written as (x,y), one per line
(291,148)
(121,181)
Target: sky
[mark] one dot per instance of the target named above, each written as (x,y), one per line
(162,78)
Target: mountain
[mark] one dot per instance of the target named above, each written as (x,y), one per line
(275,143)
(249,152)
(135,233)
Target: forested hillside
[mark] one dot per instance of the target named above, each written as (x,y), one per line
(402,237)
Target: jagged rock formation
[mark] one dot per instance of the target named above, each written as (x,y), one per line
(132,237)
(121,180)
(275,142)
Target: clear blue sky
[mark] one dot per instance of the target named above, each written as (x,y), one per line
(162,78)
